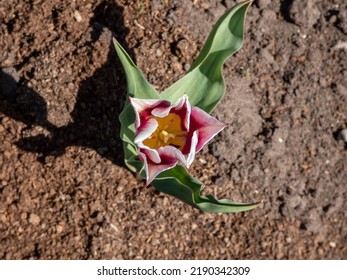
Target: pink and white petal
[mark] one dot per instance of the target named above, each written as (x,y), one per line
(192,150)
(151,154)
(145,130)
(141,105)
(183,109)
(149,168)
(180,102)
(169,156)
(170,153)
(163,111)
(206,134)
(137,118)
(153,170)
(206,125)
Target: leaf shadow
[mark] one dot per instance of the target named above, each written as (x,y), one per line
(100,99)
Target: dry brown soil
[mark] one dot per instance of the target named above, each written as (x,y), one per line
(64,190)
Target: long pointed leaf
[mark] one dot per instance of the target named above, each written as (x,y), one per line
(137,87)
(137,84)
(204,83)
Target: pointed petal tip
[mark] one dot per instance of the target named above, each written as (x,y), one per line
(155,170)
(148,182)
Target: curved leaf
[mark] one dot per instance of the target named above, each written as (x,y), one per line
(137,84)
(178,183)
(204,83)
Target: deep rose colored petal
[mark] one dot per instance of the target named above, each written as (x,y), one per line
(153,169)
(169,156)
(170,153)
(161,111)
(141,105)
(181,107)
(206,125)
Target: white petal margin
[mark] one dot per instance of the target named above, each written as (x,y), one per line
(153,170)
(191,155)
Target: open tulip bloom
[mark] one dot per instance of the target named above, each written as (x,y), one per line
(169,134)
(161,133)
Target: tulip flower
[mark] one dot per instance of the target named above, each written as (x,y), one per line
(162,132)
(168,134)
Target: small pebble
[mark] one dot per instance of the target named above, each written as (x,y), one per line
(77,16)
(340,45)
(59,228)
(342,135)
(202,161)
(332,244)
(34,219)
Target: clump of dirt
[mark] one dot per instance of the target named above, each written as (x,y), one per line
(64,190)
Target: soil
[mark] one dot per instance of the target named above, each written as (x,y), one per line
(64,190)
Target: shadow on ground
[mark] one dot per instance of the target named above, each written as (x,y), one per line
(99,101)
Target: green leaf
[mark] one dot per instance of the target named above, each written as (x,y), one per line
(137,84)
(204,83)
(178,183)
(137,87)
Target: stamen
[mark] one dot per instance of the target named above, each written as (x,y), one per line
(168,132)
(165,136)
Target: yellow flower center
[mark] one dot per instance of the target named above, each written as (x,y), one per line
(169,132)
